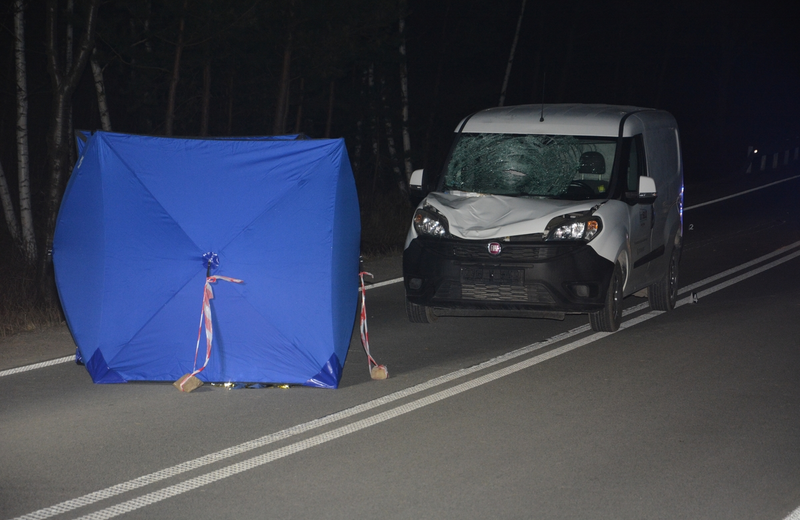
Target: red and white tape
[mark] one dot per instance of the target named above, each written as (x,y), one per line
(376,371)
(205,314)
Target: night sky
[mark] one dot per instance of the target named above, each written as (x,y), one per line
(727,70)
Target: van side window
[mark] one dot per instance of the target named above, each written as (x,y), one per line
(636,164)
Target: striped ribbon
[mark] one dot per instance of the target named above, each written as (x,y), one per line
(363,328)
(205,314)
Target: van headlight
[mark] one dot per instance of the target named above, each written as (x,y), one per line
(573,227)
(428,221)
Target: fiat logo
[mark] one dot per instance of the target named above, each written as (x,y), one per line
(494,248)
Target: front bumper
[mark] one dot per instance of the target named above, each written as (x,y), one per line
(526,276)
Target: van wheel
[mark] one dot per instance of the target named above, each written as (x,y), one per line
(609,318)
(663,294)
(419,313)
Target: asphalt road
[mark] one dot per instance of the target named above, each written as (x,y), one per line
(689,414)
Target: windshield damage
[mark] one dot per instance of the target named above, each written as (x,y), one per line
(547,166)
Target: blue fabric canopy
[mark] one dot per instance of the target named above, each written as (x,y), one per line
(142,215)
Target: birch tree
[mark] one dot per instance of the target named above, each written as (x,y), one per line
(331,99)
(64,80)
(204,110)
(282,101)
(176,72)
(404,100)
(8,208)
(68,57)
(23,175)
(99,85)
(387,121)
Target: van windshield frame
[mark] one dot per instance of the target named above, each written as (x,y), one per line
(530,165)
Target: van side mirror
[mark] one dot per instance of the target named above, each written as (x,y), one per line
(646,194)
(416,187)
(416,180)
(647,190)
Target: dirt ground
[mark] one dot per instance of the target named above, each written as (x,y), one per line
(36,346)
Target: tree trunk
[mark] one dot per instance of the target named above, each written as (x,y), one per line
(206,96)
(298,120)
(566,61)
(176,73)
(387,121)
(68,57)
(426,145)
(282,102)
(373,123)
(329,120)
(229,128)
(8,210)
(538,93)
(58,142)
(99,85)
(511,56)
(404,100)
(23,174)
(360,145)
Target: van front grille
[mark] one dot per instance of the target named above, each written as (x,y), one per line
(490,292)
(515,253)
(461,249)
(494,292)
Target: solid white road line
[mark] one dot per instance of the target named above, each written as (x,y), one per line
(398,280)
(794,515)
(708,203)
(260,460)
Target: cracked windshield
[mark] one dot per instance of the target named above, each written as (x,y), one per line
(547,166)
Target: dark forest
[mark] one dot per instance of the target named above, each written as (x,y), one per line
(727,70)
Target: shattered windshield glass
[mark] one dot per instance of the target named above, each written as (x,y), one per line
(550,166)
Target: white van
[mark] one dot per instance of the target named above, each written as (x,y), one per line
(547,210)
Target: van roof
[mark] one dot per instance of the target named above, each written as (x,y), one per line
(561,119)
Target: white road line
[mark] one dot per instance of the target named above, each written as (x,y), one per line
(322,438)
(398,280)
(740,278)
(68,359)
(708,203)
(260,460)
(794,515)
(43,364)
(741,267)
(381,284)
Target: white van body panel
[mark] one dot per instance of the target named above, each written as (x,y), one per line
(574,119)
(495,216)
(640,214)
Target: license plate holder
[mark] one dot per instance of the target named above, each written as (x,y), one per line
(492,275)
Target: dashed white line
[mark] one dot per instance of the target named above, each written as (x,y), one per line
(34,366)
(398,280)
(214,476)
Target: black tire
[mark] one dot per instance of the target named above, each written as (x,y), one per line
(663,294)
(609,318)
(419,313)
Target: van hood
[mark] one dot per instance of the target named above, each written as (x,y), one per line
(494,216)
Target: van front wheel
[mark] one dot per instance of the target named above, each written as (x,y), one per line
(609,318)
(419,313)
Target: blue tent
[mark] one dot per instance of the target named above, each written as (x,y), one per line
(144,219)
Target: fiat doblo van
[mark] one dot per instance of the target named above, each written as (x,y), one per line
(547,210)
